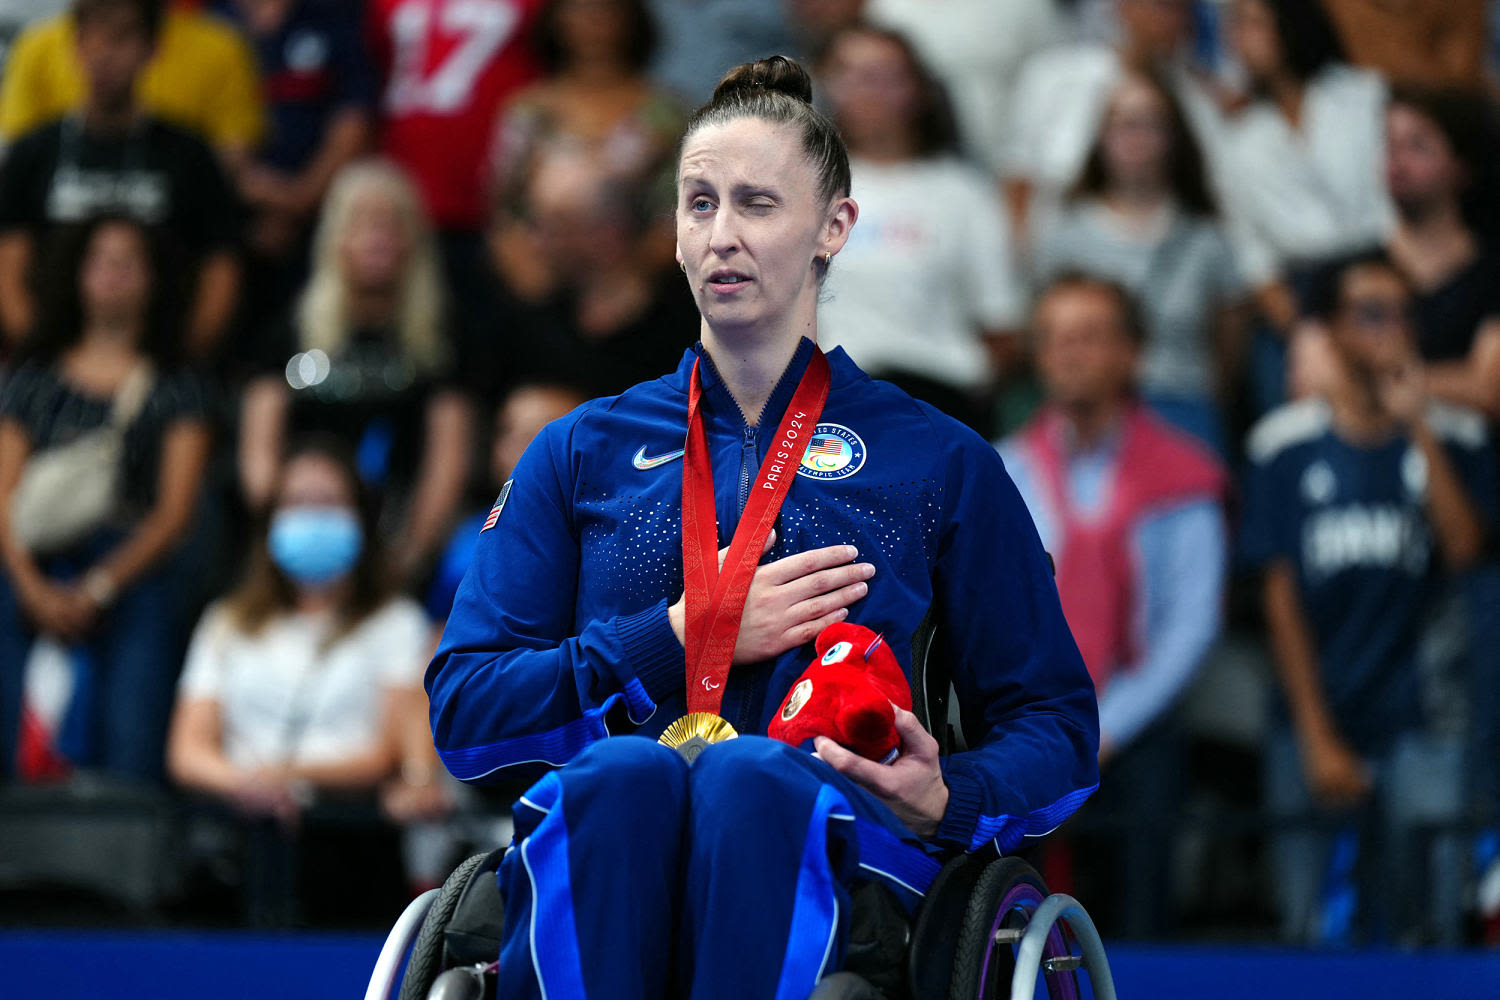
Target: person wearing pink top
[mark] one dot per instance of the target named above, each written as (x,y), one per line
(1131,510)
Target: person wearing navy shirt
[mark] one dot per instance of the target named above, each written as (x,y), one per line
(317,78)
(1360,499)
(320,91)
(635,874)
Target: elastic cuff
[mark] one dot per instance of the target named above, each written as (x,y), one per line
(652,649)
(965,797)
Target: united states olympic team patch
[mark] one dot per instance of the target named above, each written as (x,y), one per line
(835,452)
(489,522)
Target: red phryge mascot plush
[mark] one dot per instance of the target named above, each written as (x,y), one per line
(847,695)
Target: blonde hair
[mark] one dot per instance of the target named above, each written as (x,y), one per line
(322,309)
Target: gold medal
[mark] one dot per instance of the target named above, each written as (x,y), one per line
(693,732)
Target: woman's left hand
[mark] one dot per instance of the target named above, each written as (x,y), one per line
(912,786)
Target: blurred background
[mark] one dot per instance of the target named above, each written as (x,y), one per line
(287,286)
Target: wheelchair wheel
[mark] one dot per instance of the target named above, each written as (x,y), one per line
(1000,906)
(426,959)
(935,932)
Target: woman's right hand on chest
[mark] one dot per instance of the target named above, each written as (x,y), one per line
(791,600)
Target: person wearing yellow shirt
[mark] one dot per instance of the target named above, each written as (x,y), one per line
(201,76)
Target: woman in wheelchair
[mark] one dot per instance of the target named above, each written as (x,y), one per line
(675,550)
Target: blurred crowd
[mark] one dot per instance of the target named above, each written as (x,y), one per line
(287,286)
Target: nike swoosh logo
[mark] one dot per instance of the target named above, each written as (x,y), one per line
(640,461)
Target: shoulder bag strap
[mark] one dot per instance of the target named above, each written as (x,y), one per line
(131,398)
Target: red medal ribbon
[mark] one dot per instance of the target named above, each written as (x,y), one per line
(715,600)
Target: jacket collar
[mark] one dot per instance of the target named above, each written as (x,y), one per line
(716,394)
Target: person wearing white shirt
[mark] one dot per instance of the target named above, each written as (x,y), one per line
(925,293)
(1143,214)
(1302,165)
(1305,161)
(305,683)
(1061,94)
(976,47)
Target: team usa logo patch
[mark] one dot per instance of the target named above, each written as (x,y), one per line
(494,517)
(835,452)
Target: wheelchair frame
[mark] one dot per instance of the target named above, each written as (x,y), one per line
(998,951)
(959,948)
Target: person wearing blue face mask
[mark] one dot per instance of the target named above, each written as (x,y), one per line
(301,685)
(315,546)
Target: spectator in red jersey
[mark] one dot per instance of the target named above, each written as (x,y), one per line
(449,67)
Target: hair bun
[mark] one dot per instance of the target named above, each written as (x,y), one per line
(778,73)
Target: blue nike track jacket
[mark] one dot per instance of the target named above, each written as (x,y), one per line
(559,634)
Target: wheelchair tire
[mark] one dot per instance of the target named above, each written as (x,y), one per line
(982,969)
(426,959)
(935,931)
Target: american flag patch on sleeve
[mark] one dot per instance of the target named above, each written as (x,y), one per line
(489,522)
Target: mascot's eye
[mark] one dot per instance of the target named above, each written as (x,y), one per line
(837,652)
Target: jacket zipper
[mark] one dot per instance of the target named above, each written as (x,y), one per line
(748,464)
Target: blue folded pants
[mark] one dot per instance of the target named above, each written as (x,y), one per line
(635,875)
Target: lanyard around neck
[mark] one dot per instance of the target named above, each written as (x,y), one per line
(715,598)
